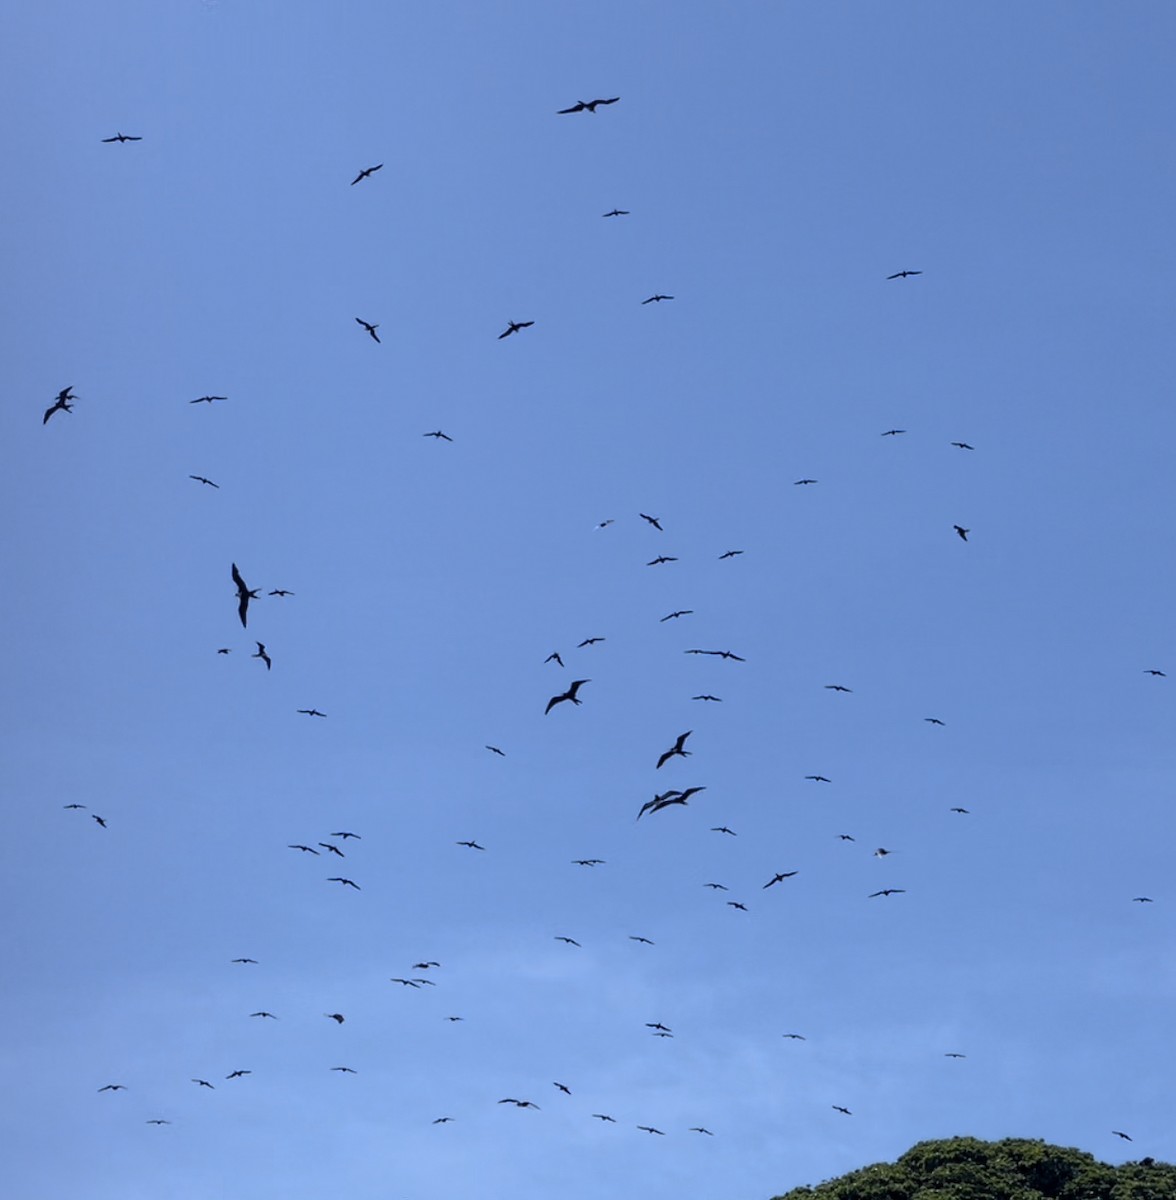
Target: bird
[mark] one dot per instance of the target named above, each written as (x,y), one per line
(700,1129)
(224,650)
(333,849)
(567,1091)
(345,882)
(338,1018)
(1142,900)
(514,327)
(903,274)
(933,720)
(207,399)
(882,852)
(424,966)
(675,750)
(554,657)
(656,297)
(304,849)
(717,654)
(736,904)
(586,106)
(442,1120)
(436,433)
(370,328)
(238,1074)
(570,694)
(1125,1136)
(718,887)
(730,554)
(845,837)
(1153,671)
(681,612)
(569,941)
(796,1037)
(838,1108)
(366,173)
(818,778)
(616,212)
(949,1054)
(73,806)
(207,483)
(265,658)
(244,595)
(654,521)
(122,137)
(245,960)
(604,524)
(345,1070)
(101,821)
(893,432)
(280,592)
(887,892)
(604,1117)
(634,937)
(779,877)
(723,829)
(157,1121)
(61,404)
(957,809)
(589,642)
(406,982)
(346,833)
(661,558)
(455,1018)
(804,482)
(113,1087)
(962,532)
(836,687)
(963,446)
(650,1129)
(204,1083)
(588,862)
(264,1014)
(714,699)
(471,845)
(311,712)
(495,749)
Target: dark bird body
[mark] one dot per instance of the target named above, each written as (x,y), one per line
(370,328)
(122,137)
(244,595)
(586,106)
(570,694)
(265,658)
(206,482)
(656,298)
(676,750)
(366,173)
(514,327)
(903,274)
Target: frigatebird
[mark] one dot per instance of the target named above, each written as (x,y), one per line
(886,892)
(238,1074)
(472,845)
(965,811)
(406,982)
(338,1018)
(224,650)
(845,837)
(796,1037)
(304,849)
(569,941)
(1119,1133)
(903,274)
(723,829)
(280,592)
(345,1070)
(311,712)
(779,877)
(838,1108)
(1153,671)
(661,558)
(730,554)
(675,749)
(682,612)
(244,960)
(716,699)
(346,833)
(586,106)
(101,821)
(654,521)
(122,137)
(700,1129)
(265,658)
(717,654)
(616,212)
(818,779)
(567,1091)
(650,1129)
(589,642)
(634,937)
(933,720)
(61,404)
(1142,900)
(718,887)
(113,1087)
(436,433)
(963,446)
(345,882)
(264,1014)
(206,399)
(366,173)
(836,687)
(604,1117)
(206,482)
(370,328)
(949,1054)
(570,694)
(588,862)
(157,1121)
(962,532)
(204,1083)
(244,595)
(736,904)
(333,849)
(514,327)
(495,749)
(554,657)
(73,806)
(893,432)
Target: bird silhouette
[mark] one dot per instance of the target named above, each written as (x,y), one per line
(714,699)
(563,1088)
(589,642)
(887,892)
(157,1121)
(730,554)
(514,327)
(588,862)
(280,592)
(681,612)
(554,657)
(73,806)
(345,882)
(436,433)
(836,687)
(959,810)
(736,904)
(442,1120)
(723,829)
(1125,1136)
(238,1074)
(406,982)
(304,849)
(661,558)
(650,1129)
(472,845)
(963,533)
(949,1054)
(204,1083)
(818,778)
(804,482)
(634,937)
(616,212)
(495,749)
(345,834)
(718,887)
(345,1070)
(264,1014)
(207,399)
(338,1018)
(206,482)
(604,1117)
(244,595)
(654,521)
(567,940)
(796,1037)
(101,821)
(61,404)
(122,137)
(265,658)
(933,720)
(1142,900)
(700,1129)
(903,274)
(370,328)
(838,1108)
(586,106)
(1153,671)
(311,712)
(245,960)
(675,750)
(570,694)
(963,446)
(332,849)
(113,1087)
(893,432)
(779,877)
(366,173)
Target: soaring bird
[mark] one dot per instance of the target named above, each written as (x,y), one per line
(436,433)
(903,274)
(345,1070)
(406,982)
(963,446)
(424,966)
(604,524)
(304,849)
(495,749)
(204,1083)
(818,778)
(635,937)
(715,699)
(675,749)
(589,642)
(570,694)
(1142,900)
(224,650)
(370,328)
(796,1037)
(887,892)
(957,809)
(122,137)
(264,1014)
(471,844)
(554,657)
(113,1087)
(650,1129)
(101,821)
(604,1117)
(933,720)
(882,852)
(654,521)
(893,432)
(207,483)
(736,904)
(661,558)
(442,1120)
(586,106)
(514,327)
(803,482)
(779,877)
(244,595)
(238,1074)
(616,212)
(366,173)
(962,532)
(61,404)
(700,1129)
(718,887)
(723,829)
(206,399)
(838,1108)
(845,837)
(280,592)
(681,612)
(345,882)
(73,806)
(245,960)
(567,1091)
(1119,1133)
(346,833)
(717,654)
(730,554)
(338,1018)
(265,658)
(1153,671)
(836,687)
(588,862)
(332,848)
(157,1121)
(311,712)
(949,1054)
(567,940)
(657,296)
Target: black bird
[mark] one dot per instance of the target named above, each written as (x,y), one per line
(455,1018)
(500,753)
(796,1037)
(99,819)
(716,699)
(312,712)
(224,650)
(113,1087)
(661,558)
(345,1070)
(656,297)
(729,554)
(157,1121)
(471,845)
(882,852)
(650,1129)
(73,806)
(265,658)
(779,877)
(586,106)
(818,779)
(963,446)
(723,829)
(616,212)
(887,892)
(588,862)
(836,687)
(903,274)
(345,834)
(280,592)
(442,1120)
(700,1129)
(245,960)
(682,612)
(893,432)
(718,887)
(206,399)
(1153,671)
(208,483)
(1119,1133)
(838,1108)
(717,654)
(338,1018)
(345,882)
(950,1055)
(846,838)
(61,404)
(800,482)
(204,1083)
(959,810)
(933,720)
(569,941)
(736,904)
(675,749)
(589,642)
(654,521)
(366,173)
(244,595)
(570,694)
(563,1088)
(424,966)
(962,532)
(238,1074)
(304,849)
(554,657)
(264,1014)
(604,1117)
(370,328)
(436,433)
(406,982)
(333,849)
(514,327)
(122,137)
(1142,900)
(633,937)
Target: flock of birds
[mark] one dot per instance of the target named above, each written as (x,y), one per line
(569,698)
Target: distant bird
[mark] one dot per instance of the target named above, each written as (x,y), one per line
(730,554)
(554,657)
(424,966)
(959,810)
(514,327)
(717,654)
(406,982)
(207,399)
(312,712)
(676,750)
(332,848)
(604,1117)
(563,1088)
(370,328)
(338,1018)
(736,904)
(656,298)
(436,433)
(604,524)
(204,1083)
(495,749)
(567,940)
(455,1018)
(650,1129)
(882,852)
(207,483)
(224,650)
(586,106)
(933,720)
(887,892)
(570,694)
(803,482)
(366,173)
(345,1070)
(836,687)
(715,699)
(244,595)
(346,833)
(903,274)
(113,1087)
(654,521)
(661,558)
(893,432)
(796,1037)
(634,937)
(658,1026)
(73,806)
(588,862)
(779,877)
(589,642)
(304,849)
(245,960)
(264,1014)
(471,845)
(99,819)
(265,658)
(1119,1133)
(1142,900)
(1153,671)
(157,1121)
(963,446)
(718,887)
(700,1129)
(951,1055)
(616,212)
(838,1108)
(442,1120)
(846,838)
(681,612)
(61,404)
(122,137)
(345,882)
(962,532)
(238,1074)
(723,829)
(280,592)
(818,778)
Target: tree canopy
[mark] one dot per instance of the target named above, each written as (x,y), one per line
(966,1168)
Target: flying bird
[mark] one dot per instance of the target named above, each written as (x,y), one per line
(345,1070)
(802,482)
(61,404)
(206,399)
(471,845)
(845,837)
(73,806)
(634,937)
(589,642)
(616,212)
(113,1087)
(122,137)
(570,694)
(718,887)
(346,833)
(245,960)
(933,720)
(715,699)
(442,1120)
(730,554)
(654,521)
(244,595)
(569,941)
(588,862)
(650,1129)
(370,328)
(495,749)
(604,524)
(311,712)
(204,1083)
(838,1108)
(207,483)
(436,433)
(338,1018)
(893,432)
(682,612)
(796,1037)
(1153,671)
(656,298)
(238,1074)
(264,1014)
(779,877)
(280,592)
(333,849)
(949,1054)
(604,1117)
(1142,900)
(836,687)
(99,819)
(554,657)
(882,852)
(224,650)
(959,810)
(366,173)
(700,1129)
(304,849)
(157,1121)
(962,532)
(1119,1133)
(406,982)
(586,106)
(723,829)
(661,558)
(675,750)
(887,892)
(818,778)
(563,1088)
(903,274)
(265,658)
(963,446)
(736,904)
(345,882)
(514,327)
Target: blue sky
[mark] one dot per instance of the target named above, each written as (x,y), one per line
(777,163)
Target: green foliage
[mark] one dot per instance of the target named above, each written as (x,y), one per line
(1014,1169)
